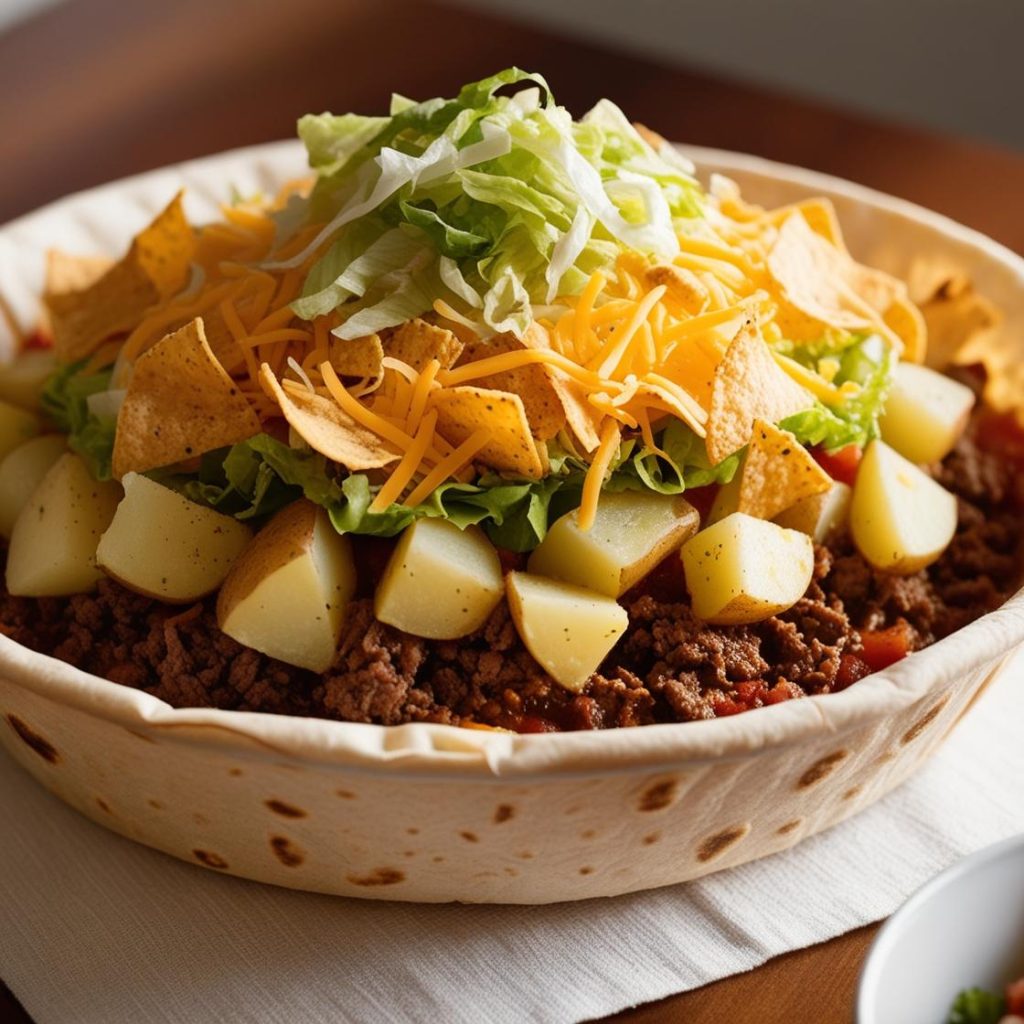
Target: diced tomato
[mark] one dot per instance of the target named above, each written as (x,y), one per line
(851,670)
(780,692)
(884,647)
(752,694)
(841,464)
(702,498)
(37,340)
(1015,997)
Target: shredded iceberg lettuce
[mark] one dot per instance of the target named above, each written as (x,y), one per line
(494,202)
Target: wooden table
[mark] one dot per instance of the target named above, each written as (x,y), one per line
(101,88)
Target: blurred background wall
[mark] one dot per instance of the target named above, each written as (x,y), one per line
(953,65)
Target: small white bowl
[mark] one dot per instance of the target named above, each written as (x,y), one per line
(964,929)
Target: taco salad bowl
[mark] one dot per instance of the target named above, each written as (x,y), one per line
(433,813)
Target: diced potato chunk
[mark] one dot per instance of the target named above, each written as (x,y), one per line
(162,545)
(21,381)
(743,569)
(901,519)
(288,592)
(925,413)
(568,629)
(820,514)
(440,582)
(54,538)
(632,532)
(17,426)
(21,472)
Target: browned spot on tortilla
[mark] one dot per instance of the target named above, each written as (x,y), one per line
(140,735)
(784,830)
(586,870)
(923,722)
(659,795)
(285,810)
(409,854)
(211,860)
(155,804)
(575,809)
(852,792)
(885,758)
(588,833)
(379,876)
(717,844)
(503,813)
(650,840)
(235,772)
(290,855)
(345,794)
(526,855)
(438,859)
(200,819)
(104,806)
(412,831)
(821,768)
(511,872)
(470,837)
(43,747)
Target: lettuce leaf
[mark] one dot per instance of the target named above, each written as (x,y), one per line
(523,200)
(867,361)
(255,478)
(65,399)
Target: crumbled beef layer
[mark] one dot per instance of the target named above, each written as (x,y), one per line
(668,666)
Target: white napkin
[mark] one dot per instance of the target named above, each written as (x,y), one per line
(97,930)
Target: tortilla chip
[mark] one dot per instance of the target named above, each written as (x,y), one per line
(164,250)
(155,267)
(510,449)
(180,402)
(531,383)
(820,215)
(817,278)
(416,342)
(327,428)
(583,419)
(66,273)
(358,357)
(955,314)
(748,386)
(682,284)
(222,342)
(777,472)
(904,319)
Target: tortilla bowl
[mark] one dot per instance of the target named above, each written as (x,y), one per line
(433,813)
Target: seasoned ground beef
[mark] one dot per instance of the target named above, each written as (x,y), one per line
(667,667)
